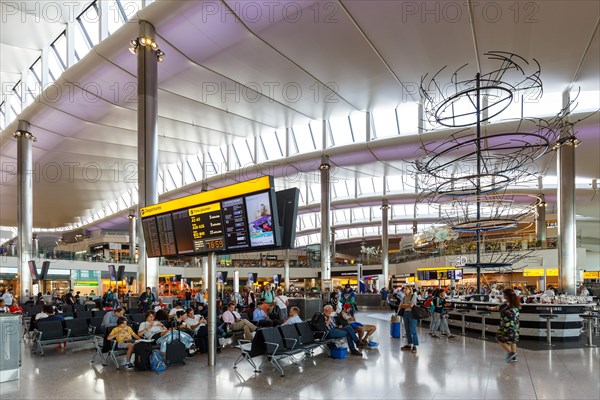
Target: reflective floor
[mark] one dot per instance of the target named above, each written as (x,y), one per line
(463,368)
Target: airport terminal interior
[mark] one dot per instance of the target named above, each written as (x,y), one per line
(208,147)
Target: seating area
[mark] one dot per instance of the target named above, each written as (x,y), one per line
(280,343)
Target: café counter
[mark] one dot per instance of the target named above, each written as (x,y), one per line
(567,323)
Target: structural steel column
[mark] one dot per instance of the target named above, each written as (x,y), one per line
(147,147)
(385,241)
(566,215)
(540,222)
(205,273)
(325,169)
(286,268)
(24,206)
(212,308)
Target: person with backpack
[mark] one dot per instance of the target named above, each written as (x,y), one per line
(268,294)
(124,336)
(282,302)
(146,300)
(440,316)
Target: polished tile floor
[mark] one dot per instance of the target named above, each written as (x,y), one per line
(463,368)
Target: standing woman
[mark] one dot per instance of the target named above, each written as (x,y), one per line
(508,331)
(410,323)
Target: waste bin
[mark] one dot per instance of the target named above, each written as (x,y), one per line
(10,356)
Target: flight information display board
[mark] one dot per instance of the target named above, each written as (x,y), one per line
(235,218)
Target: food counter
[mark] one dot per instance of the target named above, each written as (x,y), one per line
(567,324)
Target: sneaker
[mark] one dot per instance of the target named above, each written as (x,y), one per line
(414,349)
(356,352)
(513,356)
(451,337)
(129,365)
(407,347)
(435,336)
(431,334)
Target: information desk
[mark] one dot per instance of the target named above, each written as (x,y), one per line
(568,324)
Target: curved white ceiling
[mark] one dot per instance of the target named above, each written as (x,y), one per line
(227,77)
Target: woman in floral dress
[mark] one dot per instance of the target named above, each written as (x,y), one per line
(508,331)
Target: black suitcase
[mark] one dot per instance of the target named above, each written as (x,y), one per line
(176,351)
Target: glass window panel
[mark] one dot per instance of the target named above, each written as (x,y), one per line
(340,131)
(36,70)
(316,128)
(371,230)
(366,186)
(81,44)
(354,232)
(358,120)
(60,49)
(2,116)
(15,105)
(272,148)
(90,22)
(378,184)
(33,88)
(218,162)
(402,210)
(304,138)
(16,91)
(360,214)
(408,118)
(54,65)
(243,153)
(341,189)
(341,216)
(195,167)
(376,212)
(586,100)
(115,16)
(315,191)
(281,141)
(384,121)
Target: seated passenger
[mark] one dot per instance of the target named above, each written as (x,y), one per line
(124,335)
(178,307)
(294,318)
(3,306)
(237,323)
(110,319)
(152,329)
(363,331)
(260,315)
(15,308)
(337,330)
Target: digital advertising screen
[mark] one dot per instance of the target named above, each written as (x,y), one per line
(33,270)
(112,272)
(260,220)
(250,278)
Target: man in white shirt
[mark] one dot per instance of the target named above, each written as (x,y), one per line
(282,302)
(8,297)
(294,317)
(237,323)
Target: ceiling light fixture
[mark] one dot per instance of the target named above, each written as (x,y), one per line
(144,41)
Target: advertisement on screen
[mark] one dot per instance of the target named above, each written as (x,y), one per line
(219,276)
(276,279)
(250,278)
(112,272)
(260,220)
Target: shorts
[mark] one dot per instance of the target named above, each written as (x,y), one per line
(123,345)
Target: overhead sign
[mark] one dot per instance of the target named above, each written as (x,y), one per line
(239,217)
(591,274)
(552,272)
(533,272)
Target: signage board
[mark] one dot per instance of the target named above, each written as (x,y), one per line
(236,218)
(591,274)
(533,272)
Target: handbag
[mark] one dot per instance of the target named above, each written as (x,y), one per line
(420,312)
(401,312)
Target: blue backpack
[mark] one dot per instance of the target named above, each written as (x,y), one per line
(157,361)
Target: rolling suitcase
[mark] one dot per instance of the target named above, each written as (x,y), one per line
(176,351)
(395,327)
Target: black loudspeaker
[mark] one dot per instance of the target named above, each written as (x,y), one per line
(120,273)
(279,278)
(177,278)
(255,276)
(224,275)
(45,268)
(130,280)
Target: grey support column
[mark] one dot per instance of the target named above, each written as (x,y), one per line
(566,215)
(286,268)
(24,206)
(212,308)
(385,241)
(205,272)
(540,222)
(147,142)
(325,169)
(132,234)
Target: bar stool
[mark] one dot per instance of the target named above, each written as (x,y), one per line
(463,312)
(588,318)
(483,314)
(549,318)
